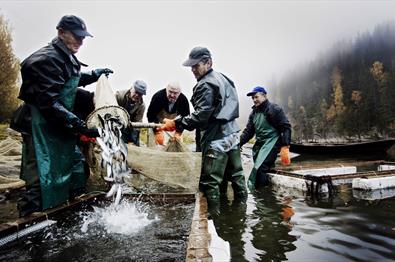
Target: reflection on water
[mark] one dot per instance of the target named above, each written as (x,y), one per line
(275,226)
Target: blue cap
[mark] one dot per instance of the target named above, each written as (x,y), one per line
(257,89)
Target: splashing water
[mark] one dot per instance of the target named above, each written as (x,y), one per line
(125,218)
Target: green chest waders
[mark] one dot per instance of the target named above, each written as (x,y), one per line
(267,136)
(59,162)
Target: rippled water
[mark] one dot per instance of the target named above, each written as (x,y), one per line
(275,226)
(278,224)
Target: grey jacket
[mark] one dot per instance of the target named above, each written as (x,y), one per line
(216,107)
(135,109)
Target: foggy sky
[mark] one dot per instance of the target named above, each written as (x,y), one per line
(253,42)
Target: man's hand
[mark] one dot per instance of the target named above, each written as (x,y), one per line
(106,71)
(284,155)
(177,136)
(89,132)
(169,125)
(159,138)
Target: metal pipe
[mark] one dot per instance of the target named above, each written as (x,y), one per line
(26,231)
(144,125)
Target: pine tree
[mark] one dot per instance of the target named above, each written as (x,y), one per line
(337,109)
(9,73)
(383,79)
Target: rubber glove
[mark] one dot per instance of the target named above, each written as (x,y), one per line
(159,138)
(89,132)
(169,125)
(98,72)
(284,155)
(85,139)
(177,136)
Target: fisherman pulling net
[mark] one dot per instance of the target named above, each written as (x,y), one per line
(155,170)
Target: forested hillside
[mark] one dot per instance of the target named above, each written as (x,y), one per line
(347,92)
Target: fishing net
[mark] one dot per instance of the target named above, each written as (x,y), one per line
(154,170)
(161,171)
(106,103)
(10,161)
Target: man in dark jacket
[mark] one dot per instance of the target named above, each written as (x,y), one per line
(216,107)
(132,101)
(272,130)
(167,103)
(52,164)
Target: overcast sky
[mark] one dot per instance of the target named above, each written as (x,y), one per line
(251,41)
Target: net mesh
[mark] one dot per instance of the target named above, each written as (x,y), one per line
(154,170)
(178,170)
(10,160)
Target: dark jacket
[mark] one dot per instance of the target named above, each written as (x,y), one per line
(43,75)
(216,104)
(275,116)
(160,102)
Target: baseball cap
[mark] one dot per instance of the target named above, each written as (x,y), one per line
(140,87)
(74,24)
(196,55)
(257,89)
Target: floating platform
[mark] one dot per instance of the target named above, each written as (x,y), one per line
(323,180)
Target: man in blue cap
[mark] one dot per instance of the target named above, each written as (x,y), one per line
(272,131)
(52,164)
(216,108)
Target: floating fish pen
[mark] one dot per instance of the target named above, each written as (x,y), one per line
(176,230)
(325,180)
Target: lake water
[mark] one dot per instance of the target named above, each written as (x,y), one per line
(279,224)
(274,224)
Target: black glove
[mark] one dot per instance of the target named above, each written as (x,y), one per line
(100,71)
(89,132)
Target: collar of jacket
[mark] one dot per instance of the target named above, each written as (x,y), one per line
(262,107)
(208,72)
(59,44)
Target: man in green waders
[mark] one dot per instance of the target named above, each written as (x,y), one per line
(52,164)
(216,108)
(272,131)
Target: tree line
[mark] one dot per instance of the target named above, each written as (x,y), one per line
(347,92)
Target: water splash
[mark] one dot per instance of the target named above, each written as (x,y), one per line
(125,218)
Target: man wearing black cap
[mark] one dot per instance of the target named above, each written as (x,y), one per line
(132,100)
(272,131)
(52,164)
(216,108)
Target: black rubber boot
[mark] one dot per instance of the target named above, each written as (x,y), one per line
(235,173)
(214,165)
(30,200)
